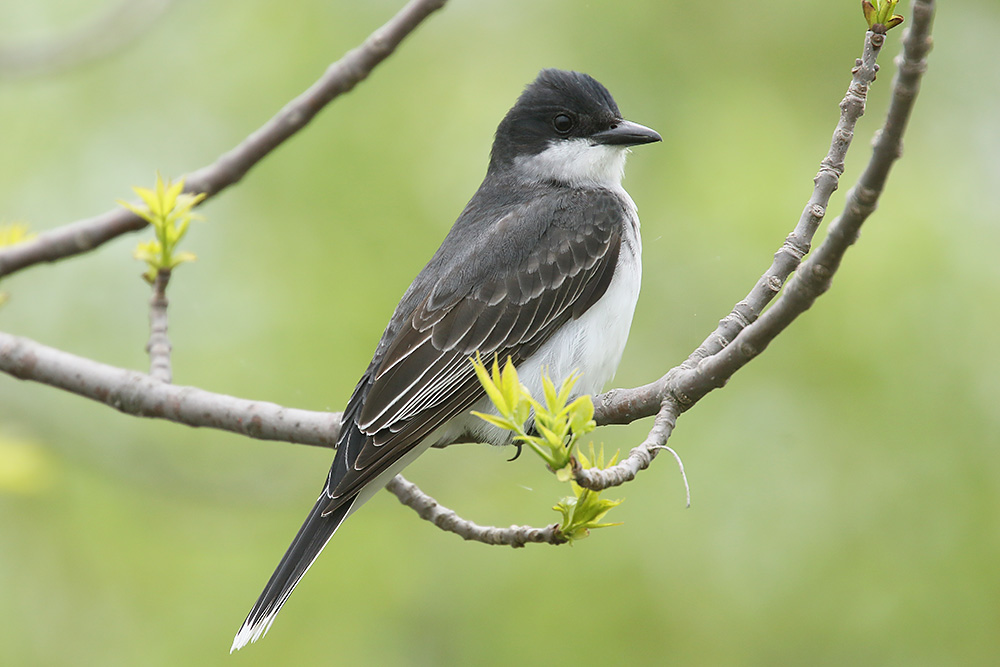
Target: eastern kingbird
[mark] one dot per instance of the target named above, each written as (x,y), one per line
(542,266)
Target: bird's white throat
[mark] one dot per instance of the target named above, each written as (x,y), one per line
(576,162)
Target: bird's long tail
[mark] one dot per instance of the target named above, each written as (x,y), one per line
(305,548)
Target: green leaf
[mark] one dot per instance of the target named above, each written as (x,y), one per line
(490,385)
(148,251)
(549,391)
(564,391)
(168,210)
(180,258)
(171,194)
(558,426)
(582,514)
(551,438)
(523,409)
(141,212)
(510,385)
(499,422)
(871,13)
(182,227)
(880,13)
(581,415)
(150,199)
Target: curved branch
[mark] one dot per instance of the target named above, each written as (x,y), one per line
(84,235)
(430,510)
(686,384)
(623,406)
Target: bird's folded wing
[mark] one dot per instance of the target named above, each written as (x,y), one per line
(499,301)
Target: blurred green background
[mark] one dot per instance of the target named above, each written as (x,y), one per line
(846,485)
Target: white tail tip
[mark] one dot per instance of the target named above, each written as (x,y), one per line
(251,632)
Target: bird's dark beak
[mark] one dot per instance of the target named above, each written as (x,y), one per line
(626,133)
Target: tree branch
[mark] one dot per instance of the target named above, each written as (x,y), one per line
(686,384)
(159,346)
(84,235)
(141,395)
(430,510)
(623,406)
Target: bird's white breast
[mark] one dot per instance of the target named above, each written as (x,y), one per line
(593,344)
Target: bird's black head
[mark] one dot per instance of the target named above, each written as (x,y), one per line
(560,110)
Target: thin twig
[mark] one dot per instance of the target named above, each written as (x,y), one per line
(228,169)
(638,459)
(684,477)
(430,510)
(159,346)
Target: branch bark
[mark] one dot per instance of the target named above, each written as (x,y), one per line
(430,510)
(85,235)
(159,346)
(142,395)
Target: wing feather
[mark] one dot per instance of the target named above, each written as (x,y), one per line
(505,299)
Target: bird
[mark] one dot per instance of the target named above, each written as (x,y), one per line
(542,267)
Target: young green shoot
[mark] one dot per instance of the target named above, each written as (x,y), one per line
(558,425)
(168,209)
(583,511)
(879,14)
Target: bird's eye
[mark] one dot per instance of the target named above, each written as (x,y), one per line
(563,123)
